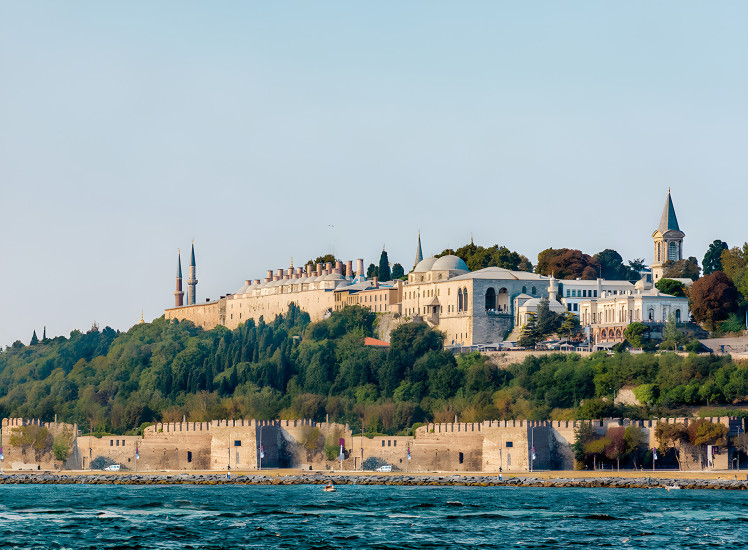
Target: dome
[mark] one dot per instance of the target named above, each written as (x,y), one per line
(334,277)
(242,290)
(449,262)
(424,265)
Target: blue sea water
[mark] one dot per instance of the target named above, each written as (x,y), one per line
(302,516)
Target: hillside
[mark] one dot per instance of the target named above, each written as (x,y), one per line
(294,369)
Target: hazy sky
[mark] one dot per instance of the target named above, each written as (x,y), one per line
(272,130)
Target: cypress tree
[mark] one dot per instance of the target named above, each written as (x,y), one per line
(384,267)
(34,339)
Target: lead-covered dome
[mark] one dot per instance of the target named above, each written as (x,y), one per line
(424,265)
(449,263)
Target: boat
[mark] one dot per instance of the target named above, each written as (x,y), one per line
(669,487)
(329,488)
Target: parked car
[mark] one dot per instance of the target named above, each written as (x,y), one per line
(385,468)
(112,468)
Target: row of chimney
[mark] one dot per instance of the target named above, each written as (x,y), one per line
(310,271)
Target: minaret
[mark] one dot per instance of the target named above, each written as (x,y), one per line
(192,281)
(419,251)
(668,240)
(179,294)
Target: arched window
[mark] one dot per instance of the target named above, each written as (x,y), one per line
(465,299)
(677,316)
(524,290)
(603,334)
(672,253)
(459,300)
(490,300)
(502,303)
(657,246)
(534,291)
(651,314)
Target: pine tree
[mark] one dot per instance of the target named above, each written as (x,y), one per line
(34,340)
(397,271)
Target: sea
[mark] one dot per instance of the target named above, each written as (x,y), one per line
(362,516)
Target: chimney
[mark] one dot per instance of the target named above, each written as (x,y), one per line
(328,267)
(299,273)
(360,267)
(319,270)
(375,281)
(339,267)
(257,281)
(247,283)
(308,270)
(290,272)
(349,269)
(269,276)
(279,273)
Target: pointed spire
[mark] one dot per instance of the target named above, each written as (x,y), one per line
(419,250)
(668,221)
(179,264)
(141,318)
(44,333)
(192,259)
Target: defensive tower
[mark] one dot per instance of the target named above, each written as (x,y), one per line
(668,240)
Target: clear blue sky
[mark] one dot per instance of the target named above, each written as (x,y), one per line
(128,129)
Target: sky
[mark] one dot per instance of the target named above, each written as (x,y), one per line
(272,131)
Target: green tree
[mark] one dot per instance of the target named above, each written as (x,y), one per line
(634,333)
(635,441)
(62,445)
(682,269)
(734,260)
(325,258)
(713,258)
(478,257)
(384,272)
(672,287)
(397,272)
(34,339)
(670,436)
(611,265)
(372,271)
(566,263)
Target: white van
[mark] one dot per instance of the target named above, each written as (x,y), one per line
(385,468)
(112,468)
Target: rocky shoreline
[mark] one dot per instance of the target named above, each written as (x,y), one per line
(369,479)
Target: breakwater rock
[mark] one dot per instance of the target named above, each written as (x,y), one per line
(369,479)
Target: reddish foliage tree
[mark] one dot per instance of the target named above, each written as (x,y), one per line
(567,263)
(713,298)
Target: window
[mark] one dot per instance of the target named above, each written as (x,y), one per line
(111,443)
(462,458)
(389,443)
(490,299)
(118,443)
(394,443)
(524,290)
(584,294)
(672,251)
(568,293)
(594,293)
(534,291)
(123,442)
(189,456)
(510,443)
(383,443)
(237,443)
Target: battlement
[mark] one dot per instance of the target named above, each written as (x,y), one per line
(176,427)
(11,423)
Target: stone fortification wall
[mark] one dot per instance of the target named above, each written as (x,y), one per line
(202,315)
(31,459)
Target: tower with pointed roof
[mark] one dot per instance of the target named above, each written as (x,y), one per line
(419,251)
(179,294)
(668,240)
(192,281)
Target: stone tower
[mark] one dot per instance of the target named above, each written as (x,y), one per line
(419,251)
(192,281)
(179,294)
(668,240)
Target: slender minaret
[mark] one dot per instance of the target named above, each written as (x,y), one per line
(192,281)
(179,294)
(419,251)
